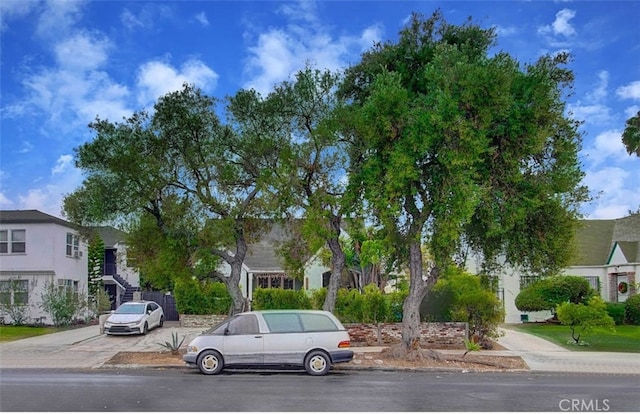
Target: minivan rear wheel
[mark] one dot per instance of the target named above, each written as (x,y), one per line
(210,362)
(317,363)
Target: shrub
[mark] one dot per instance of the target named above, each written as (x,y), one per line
(274,298)
(395,302)
(582,318)
(201,298)
(632,309)
(374,306)
(62,304)
(616,311)
(317,298)
(349,306)
(547,294)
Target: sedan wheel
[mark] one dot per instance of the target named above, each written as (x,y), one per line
(317,363)
(210,362)
(145,328)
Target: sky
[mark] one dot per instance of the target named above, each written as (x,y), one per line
(64,63)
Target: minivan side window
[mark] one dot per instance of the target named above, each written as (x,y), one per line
(243,325)
(315,322)
(283,322)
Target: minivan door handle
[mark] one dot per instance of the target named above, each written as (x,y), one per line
(258,336)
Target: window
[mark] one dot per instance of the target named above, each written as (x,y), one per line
(593,282)
(527,280)
(13,241)
(243,325)
(73,245)
(69,285)
(313,322)
(283,322)
(14,292)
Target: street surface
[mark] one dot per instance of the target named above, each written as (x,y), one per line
(366,391)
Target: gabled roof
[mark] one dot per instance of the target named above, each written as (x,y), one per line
(31,216)
(596,239)
(111,236)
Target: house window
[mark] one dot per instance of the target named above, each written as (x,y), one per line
(274,281)
(14,292)
(73,245)
(69,285)
(593,282)
(13,241)
(527,280)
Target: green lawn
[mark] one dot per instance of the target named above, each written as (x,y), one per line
(12,333)
(625,338)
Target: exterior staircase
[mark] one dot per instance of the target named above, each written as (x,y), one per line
(128,292)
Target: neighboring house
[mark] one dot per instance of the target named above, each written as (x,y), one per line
(607,255)
(120,279)
(37,249)
(263,267)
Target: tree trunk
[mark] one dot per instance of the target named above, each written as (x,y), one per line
(233,281)
(418,288)
(337,266)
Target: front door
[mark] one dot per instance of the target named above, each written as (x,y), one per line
(622,285)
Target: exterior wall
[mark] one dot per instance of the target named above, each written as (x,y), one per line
(313,273)
(446,335)
(127,273)
(45,261)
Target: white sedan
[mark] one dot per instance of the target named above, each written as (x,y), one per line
(134,318)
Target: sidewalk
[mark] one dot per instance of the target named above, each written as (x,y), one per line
(87,348)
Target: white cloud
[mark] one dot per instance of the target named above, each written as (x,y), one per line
(130,20)
(5,203)
(281,51)
(505,31)
(607,147)
(599,91)
(63,163)
(616,198)
(58,17)
(158,78)
(26,148)
(10,9)
(82,52)
(630,91)
(631,111)
(596,114)
(202,18)
(560,25)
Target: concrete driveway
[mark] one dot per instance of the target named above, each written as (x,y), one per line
(84,347)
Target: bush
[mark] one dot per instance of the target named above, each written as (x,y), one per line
(201,298)
(616,311)
(317,298)
(274,298)
(374,306)
(349,306)
(395,303)
(582,318)
(547,294)
(632,309)
(62,304)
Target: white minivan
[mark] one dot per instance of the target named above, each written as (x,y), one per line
(311,339)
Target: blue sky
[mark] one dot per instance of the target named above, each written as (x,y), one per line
(65,62)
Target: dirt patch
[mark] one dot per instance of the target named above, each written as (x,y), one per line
(471,362)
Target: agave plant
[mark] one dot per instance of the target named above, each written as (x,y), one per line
(175,344)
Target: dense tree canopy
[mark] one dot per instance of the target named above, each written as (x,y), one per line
(631,135)
(454,147)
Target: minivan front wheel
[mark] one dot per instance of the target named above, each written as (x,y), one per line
(210,362)
(317,363)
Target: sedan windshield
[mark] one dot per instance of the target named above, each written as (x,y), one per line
(131,309)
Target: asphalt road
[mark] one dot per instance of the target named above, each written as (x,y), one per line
(366,391)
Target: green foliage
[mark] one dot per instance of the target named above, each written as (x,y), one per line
(317,297)
(274,298)
(632,309)
(584,317)
(374,308)
(461,297)
(100,303)
(194,297)
(395,302)
(631,135)
(546,294)
(95,261)
(616,311)
(470,346)
(349,306)
(175,344)
(62,304)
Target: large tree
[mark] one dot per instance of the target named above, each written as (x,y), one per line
(454,147)
(206,184)
(313,184)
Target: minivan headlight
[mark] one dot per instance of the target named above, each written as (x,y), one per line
(192,349)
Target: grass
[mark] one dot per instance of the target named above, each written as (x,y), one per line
(625,338)
(13,333)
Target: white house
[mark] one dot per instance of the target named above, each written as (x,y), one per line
(37,249)
(607,255)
